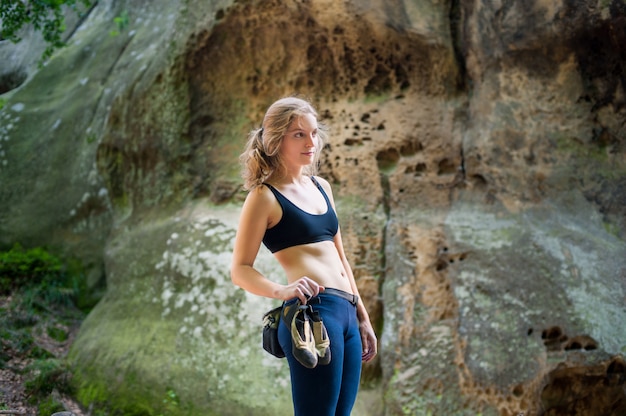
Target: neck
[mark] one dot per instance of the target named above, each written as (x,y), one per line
(289,177)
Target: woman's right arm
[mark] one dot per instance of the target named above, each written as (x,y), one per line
(254,220)
(259,208)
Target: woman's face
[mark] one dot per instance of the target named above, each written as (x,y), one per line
(300,142)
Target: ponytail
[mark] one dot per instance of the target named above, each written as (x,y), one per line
(257,165)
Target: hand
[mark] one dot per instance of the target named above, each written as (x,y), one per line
(303,289)
(369,341)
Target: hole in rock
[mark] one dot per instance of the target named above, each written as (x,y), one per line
(417,170)
(573,345)
(581,342)
(446,167)
(11,81)
(617,366)
(387,159)
(380,82)
(441,265)
(580,390)
(479,181)
(551,333)
(410,148)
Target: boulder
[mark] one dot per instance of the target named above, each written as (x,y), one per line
(477,161)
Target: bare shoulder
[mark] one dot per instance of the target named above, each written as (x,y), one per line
(261,204)
(260,198)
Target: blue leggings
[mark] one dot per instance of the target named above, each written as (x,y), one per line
(328,390)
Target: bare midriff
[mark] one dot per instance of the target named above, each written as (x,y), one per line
(318,261)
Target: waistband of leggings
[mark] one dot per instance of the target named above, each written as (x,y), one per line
(353,299)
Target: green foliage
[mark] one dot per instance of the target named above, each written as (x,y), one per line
(46,375)
(171,402)
(38,299)
(2,103)
(45,16)
(50,406)
(39,353)
(42,279)
(56,333)
(37,291)
(94,393)
(15,334)
(121,22)
(21,268)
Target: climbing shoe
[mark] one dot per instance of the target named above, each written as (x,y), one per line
(322,342)
(296,316)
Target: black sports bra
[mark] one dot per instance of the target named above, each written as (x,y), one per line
(298,227)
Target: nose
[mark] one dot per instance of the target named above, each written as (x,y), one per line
(310,140)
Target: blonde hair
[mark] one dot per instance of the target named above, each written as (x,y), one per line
(261,157)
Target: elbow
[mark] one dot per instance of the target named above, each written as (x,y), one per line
(235,277)
(241,275)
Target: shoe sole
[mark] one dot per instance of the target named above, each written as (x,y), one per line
(302,338)
(322,342)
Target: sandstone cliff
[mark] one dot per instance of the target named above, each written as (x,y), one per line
(477,156)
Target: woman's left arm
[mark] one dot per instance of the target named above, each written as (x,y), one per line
(368,336)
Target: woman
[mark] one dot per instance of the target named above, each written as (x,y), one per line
(292,212)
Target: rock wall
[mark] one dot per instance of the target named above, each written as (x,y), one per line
(477,159)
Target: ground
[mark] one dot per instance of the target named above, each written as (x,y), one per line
(13,397)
